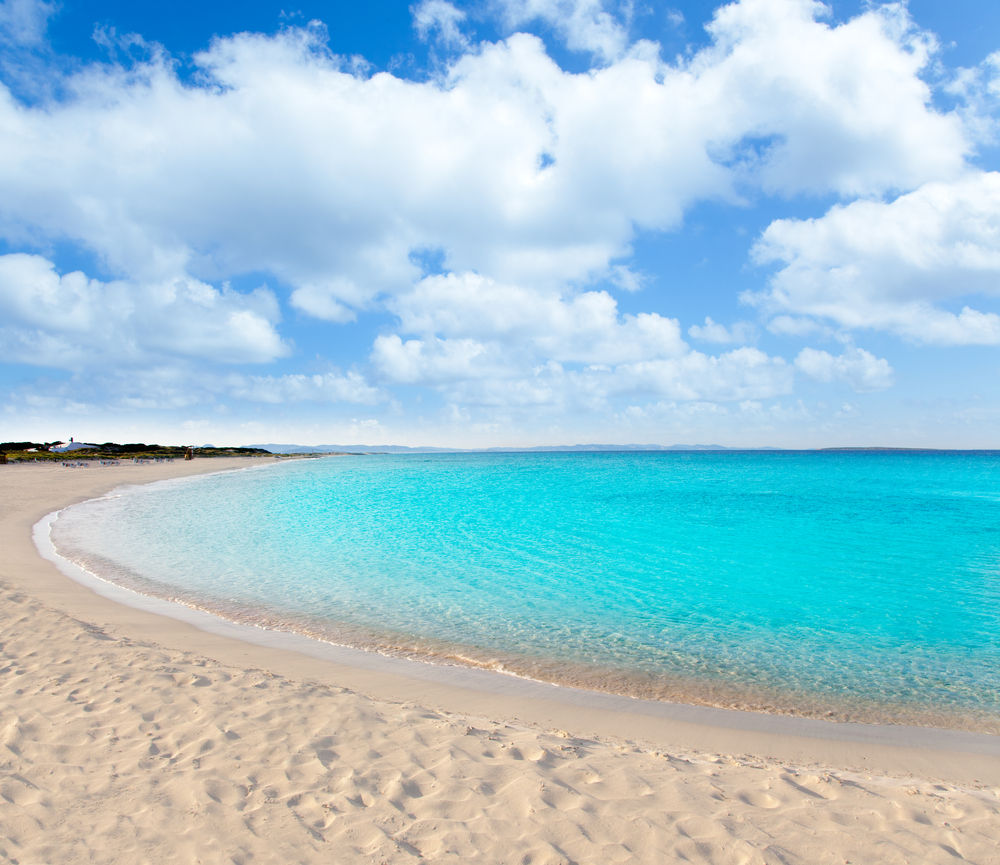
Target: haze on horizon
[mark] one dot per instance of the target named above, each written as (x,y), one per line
(501,223)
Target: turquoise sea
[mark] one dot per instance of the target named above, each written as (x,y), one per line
(850,585)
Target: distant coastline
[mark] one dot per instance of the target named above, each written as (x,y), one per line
(28,451)
(596,448)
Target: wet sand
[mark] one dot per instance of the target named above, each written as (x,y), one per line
(131,736)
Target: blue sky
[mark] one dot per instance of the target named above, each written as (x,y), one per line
(505,222)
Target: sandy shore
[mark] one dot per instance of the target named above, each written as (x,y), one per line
(131,737)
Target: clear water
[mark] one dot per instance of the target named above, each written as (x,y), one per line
(846,585)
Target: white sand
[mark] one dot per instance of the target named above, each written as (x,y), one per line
(131,737)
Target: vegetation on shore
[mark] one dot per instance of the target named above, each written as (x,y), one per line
(42,451)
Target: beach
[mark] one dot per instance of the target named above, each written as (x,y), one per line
(130,736)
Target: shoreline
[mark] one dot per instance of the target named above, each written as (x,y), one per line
(268,749)
(495,682)
(475,677)
(457,687)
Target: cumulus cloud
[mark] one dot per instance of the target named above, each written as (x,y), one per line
(285,159)
(584,25)
(430,360)
(529,182)
(896,265)
(585,328)
(738,375)
(855,366)
(487,343)
(70,320)
(744,373)
(442,19)
(712,331)
(815,107)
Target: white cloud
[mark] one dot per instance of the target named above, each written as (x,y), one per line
(793,325)
(69,320)
(181,387)
(23,22)
(978,90)
(585,25)
(757,422)
(806,106)
(328,387)
(442,18)
(488,343)
(485,343)
(892,266)
(285,159)
(744,373)
(429,361)
(712,331)
(24,52)
(532,182)
(547,388)
(585,328)
(671,409)
(626,279)
(320,300)
(855,366)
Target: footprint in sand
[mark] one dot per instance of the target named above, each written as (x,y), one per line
(19,791)
(759,799)
(807,784)
(225,792)
(695,827)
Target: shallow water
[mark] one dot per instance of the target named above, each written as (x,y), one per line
(846,585)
